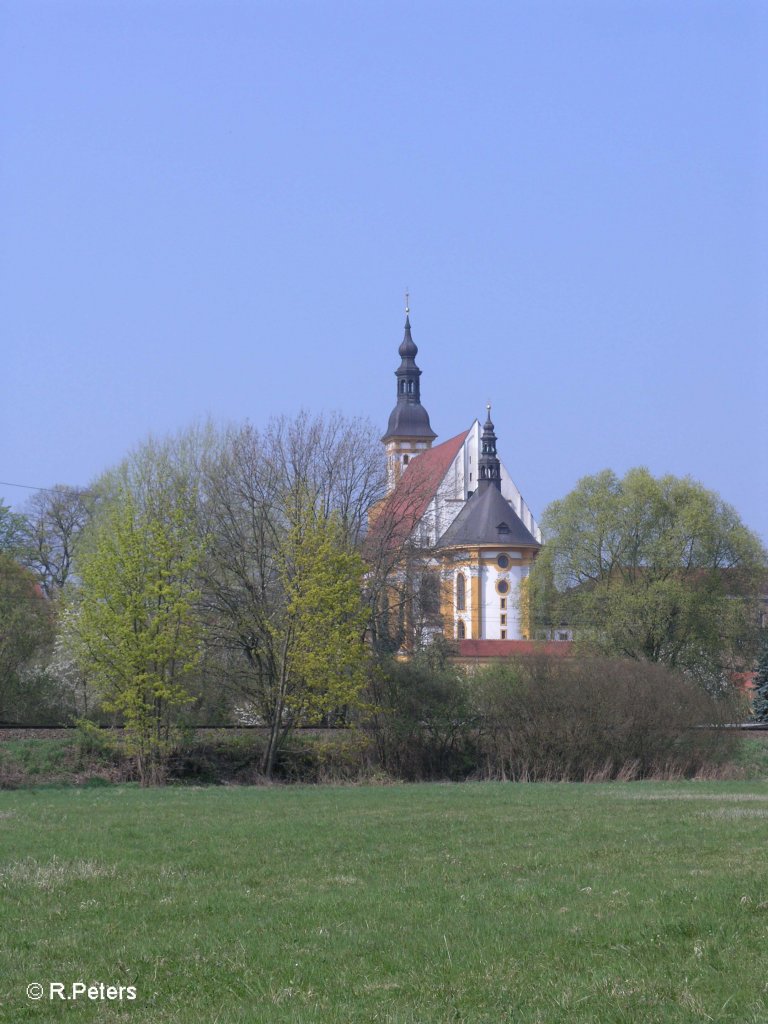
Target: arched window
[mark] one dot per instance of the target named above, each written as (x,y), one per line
(402,387)
(461,630)
(429,594)
(461,593)
(410,387)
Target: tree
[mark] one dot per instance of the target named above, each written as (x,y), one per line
(655,569)
(43,540)
(317,630)
(403,581)
(760,697)
(76,696)
(55,518)
(26,632)
(281,583)
(332,460)
(265,529)
(134,627)
(423,722)
(13,530)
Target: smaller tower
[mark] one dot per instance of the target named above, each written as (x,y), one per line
(489,467)
(489,545)
(408,431)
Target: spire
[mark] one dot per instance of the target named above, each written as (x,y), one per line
(409,418)
(408,350)
(489,465)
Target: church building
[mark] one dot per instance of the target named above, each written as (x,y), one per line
(457,505)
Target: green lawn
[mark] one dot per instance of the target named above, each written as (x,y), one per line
(499,903)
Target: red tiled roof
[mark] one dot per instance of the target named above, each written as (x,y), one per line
(512,648)
(402,510)
(744,681)
(425,473)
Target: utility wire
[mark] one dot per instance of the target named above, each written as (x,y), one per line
(29,487)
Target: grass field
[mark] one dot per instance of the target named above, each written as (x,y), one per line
(639,902)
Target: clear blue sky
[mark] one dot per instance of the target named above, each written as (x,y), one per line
(213,208)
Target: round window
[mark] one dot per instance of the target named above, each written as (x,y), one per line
(502,586)
(503,562)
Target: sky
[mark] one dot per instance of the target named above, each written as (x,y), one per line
(212,208)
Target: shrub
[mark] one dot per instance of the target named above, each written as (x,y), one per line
(216,756)
(342,757)
(562,718)
(96,745)
(423,726)
(222,756)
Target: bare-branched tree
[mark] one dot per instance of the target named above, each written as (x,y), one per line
(55,521)
(305,481)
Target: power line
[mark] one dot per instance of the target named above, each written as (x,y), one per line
(29,487)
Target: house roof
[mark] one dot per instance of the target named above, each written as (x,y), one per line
(511,648)
(487,519)
(405,506)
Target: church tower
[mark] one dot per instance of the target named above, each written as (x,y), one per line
(408,431)
(489,466)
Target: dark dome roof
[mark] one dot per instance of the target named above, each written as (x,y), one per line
(408,349)
(409,419)
(488,518)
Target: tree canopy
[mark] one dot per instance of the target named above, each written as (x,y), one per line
(134,627)
(282,583)
(26,632)
(660,569)
(54,520)
(223,566)
(13,530)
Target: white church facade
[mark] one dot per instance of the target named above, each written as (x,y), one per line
(458,504)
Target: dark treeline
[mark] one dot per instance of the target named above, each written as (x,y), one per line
(543,718)
(533,719)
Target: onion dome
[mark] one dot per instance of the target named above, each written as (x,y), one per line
(409,419)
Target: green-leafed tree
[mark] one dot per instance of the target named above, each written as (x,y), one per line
(13,530)
(760,683)
(26,633)
(655,569)
(281,583)
(134,628)
(317,629)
